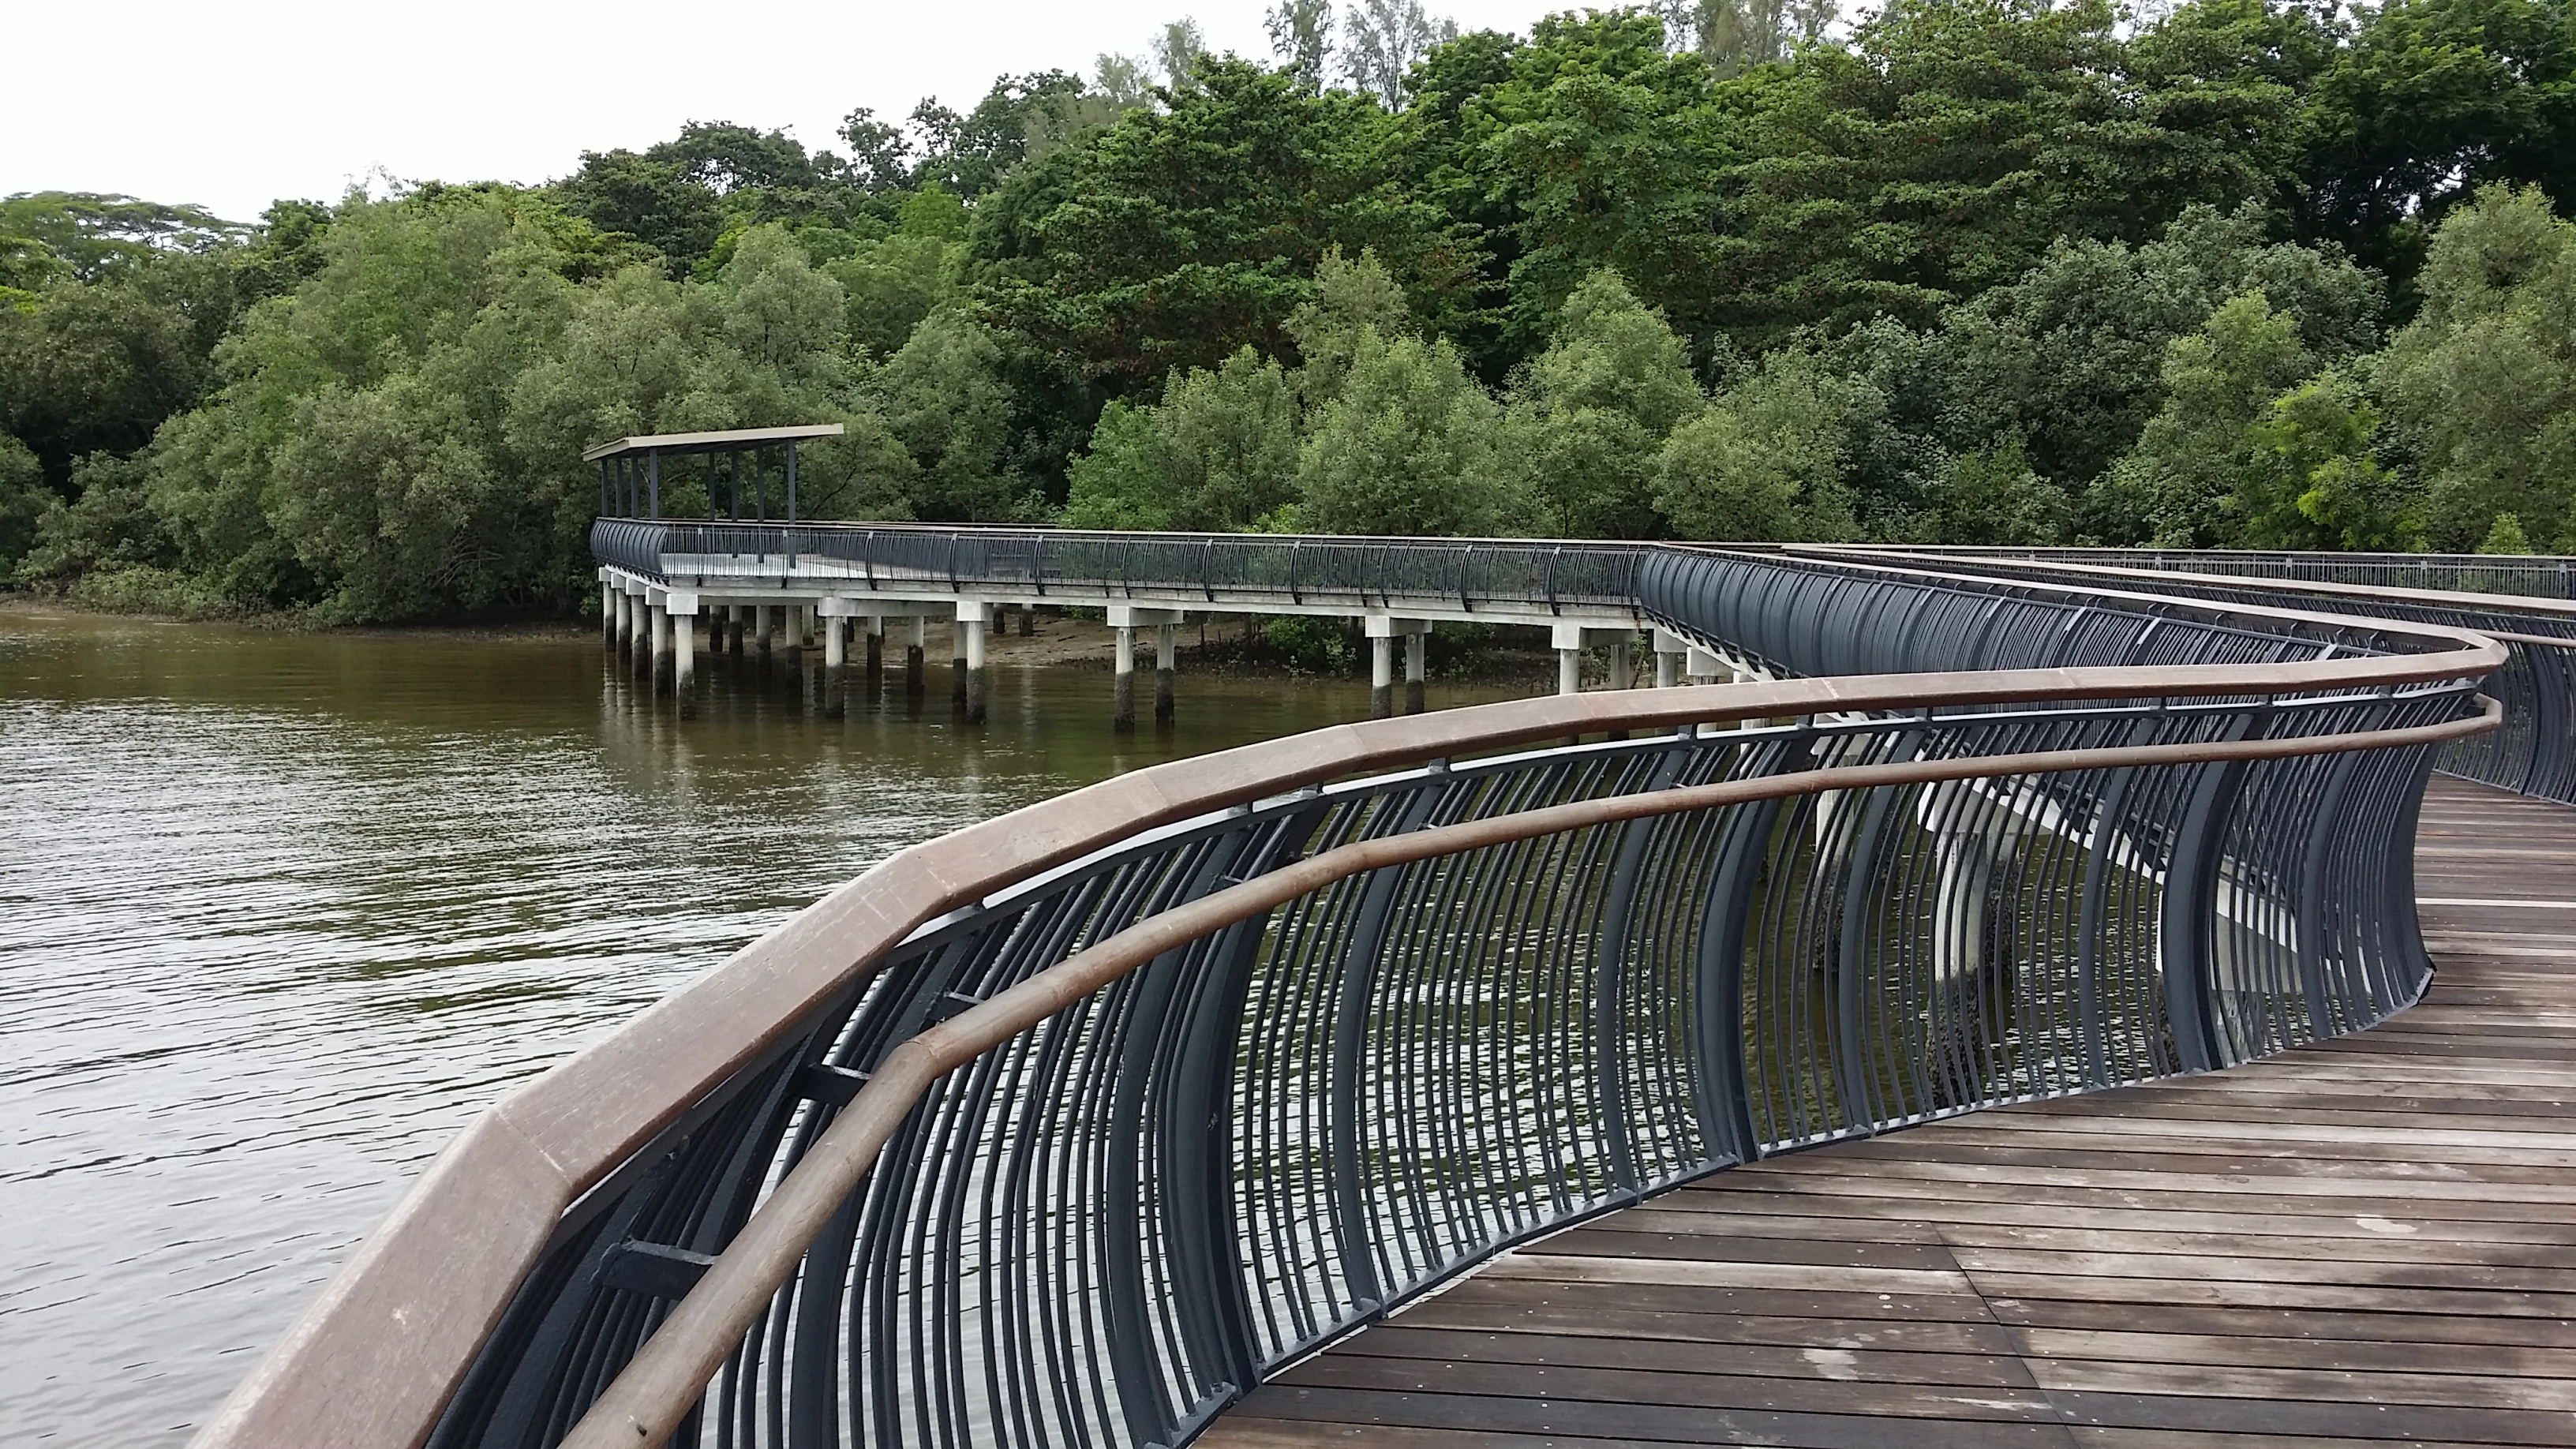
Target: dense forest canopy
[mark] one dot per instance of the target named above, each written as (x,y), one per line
(1987,271)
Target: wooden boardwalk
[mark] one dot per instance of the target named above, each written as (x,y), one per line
(2367,1242)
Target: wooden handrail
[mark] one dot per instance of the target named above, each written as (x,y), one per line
(377,1356)
(652,1394)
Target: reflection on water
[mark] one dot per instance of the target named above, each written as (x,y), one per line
(279,912)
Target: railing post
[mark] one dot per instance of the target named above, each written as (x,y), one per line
(1196,1134)
(1720,1092)
(1851,979)
(1609,975)
(2186,917)
(1355,993)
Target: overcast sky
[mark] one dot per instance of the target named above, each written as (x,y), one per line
(231,105)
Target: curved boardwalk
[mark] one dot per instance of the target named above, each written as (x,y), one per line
(2366,1242)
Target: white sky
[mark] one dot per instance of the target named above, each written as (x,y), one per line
(231,105)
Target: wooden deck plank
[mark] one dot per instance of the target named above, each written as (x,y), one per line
(2370,1241)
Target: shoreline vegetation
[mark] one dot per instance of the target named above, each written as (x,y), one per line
(1298,648)
(2233,273)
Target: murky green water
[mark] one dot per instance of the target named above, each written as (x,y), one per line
(278,913)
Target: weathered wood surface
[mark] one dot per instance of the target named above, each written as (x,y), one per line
(2367,1242)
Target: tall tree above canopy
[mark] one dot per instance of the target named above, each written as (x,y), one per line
(94,234)
(1386,38)
(1173,238)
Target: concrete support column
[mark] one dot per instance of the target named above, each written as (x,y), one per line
(914,685)
(1166,660)
(643,662)
(682,611)
(764,626)
(1122,689)
(1417,664)
(1382,631)
(1568,639)
(661,624)
(1670,651)
(733,622)
(1623,667)
(607,615)
(971,619)
(1028,620)
(622,626)
(1704,667)
(875,624)
(834,665)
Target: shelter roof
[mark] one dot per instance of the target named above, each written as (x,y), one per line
(732,440)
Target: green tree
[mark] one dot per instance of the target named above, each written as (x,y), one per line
(943,398)
(2506,537)
(2480,389)
(1352,298)
(1407,446)
(1171,239)
(23,500)
(1767,458)
(1385,39)
(2188,482)
(2315,482)
(1218,453)
(2425,103)
(1589,416)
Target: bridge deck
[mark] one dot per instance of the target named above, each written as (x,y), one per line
(2370,1241)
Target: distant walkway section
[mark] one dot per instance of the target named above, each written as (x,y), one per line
(2368,1241)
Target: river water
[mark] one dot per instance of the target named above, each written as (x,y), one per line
(279,912)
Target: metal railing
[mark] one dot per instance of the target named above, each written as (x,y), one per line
(2535,751)
(2546,576)
(2089,838)
(1294,570)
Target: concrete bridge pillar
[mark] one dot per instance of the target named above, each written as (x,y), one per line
(621,628)
(1028,620)
(876,649)
(681,610)
(1122,688)
(914,685)
(659,621)
(1670,653)
(1166,663)
(643,663)
(1126,619)
(1382,631)
(607,614)
(972,616)
(835,657)
(731,643)
(1623,665)
(1417,666)
(1568,639)
(764,629)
